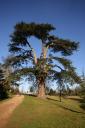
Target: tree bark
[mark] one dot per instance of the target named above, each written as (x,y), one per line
(41,80)
(41,89)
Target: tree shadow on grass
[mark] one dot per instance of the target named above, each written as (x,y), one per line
(82,105)
(31,95)
(52,99)
(81,101)
(64,107)
(76,99)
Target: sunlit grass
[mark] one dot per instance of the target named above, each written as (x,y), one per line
(47,113)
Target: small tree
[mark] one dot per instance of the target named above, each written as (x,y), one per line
(66,79)
(52,92)
(43,67)
(31,89)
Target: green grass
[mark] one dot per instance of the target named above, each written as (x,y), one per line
(47,113)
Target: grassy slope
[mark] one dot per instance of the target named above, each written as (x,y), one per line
(37,113)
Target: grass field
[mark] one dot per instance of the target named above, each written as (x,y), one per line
(48,113)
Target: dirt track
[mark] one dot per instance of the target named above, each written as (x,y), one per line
(7,107)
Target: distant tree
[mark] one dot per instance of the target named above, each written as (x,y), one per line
(52,92)
(82,85)
(82,91)
(47,90)
(66,79)
(10,79)
(3,89)
(32,89)
(7,72)
(14,89)
(44,67)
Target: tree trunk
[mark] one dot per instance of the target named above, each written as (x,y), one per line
(41,79)
(41,89)
(60,95)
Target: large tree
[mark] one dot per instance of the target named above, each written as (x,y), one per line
(52,61)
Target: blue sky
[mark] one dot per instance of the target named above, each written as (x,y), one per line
(68,16)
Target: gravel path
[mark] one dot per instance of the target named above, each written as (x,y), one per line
(7,107)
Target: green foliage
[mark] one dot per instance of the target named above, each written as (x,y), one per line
(66,47)
(24,30)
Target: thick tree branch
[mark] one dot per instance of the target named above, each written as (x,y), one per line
(34,55)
